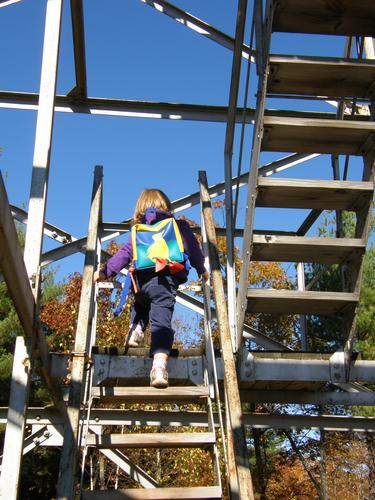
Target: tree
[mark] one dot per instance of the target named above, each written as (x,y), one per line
(325,333)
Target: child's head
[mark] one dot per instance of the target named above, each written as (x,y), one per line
(151,198)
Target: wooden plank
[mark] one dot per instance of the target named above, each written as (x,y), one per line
(321,76)
(208,492)
(299,302)
(150,394)
(152,440)
(314,135)
(341,17)
(306,193)
(303,249)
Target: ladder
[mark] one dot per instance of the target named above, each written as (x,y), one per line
(309,134)
(100,378)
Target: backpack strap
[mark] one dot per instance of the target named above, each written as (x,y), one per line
(129,280)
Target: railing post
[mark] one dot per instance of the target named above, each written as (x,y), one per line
(68,461)
(233,407)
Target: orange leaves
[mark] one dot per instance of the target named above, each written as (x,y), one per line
(60,316)
(346,464)
(218,204)
(268,275)
(289,481)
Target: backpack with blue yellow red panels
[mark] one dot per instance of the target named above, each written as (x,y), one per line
(155,247)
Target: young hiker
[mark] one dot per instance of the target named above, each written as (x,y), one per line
(155,296)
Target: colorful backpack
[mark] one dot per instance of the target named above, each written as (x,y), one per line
(158,245)
(155,247)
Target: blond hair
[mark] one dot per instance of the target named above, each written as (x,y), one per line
(150,198)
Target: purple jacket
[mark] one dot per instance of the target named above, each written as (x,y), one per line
(124,256)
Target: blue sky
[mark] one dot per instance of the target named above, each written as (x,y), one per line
(133,52)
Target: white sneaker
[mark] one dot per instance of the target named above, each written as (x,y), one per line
(136,339)
(159,377)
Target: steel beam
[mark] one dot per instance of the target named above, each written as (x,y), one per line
(18,285)
(197,25)
(285,163)
(78,245)
(228,153)
(124,462)
(40,173)
(43,138)
(305,369)
(308,397)
(13,266)
(285,366)
(50,422)
(309,221)
(130,468)
(253,176)
(51,231)
(259,36)
(153,110)
(327,422)
(5,3)
(80,90)
(125,108)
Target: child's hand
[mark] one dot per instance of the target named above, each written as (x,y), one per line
(206,276)
(99,276)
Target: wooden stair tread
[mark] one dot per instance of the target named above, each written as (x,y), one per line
(152,440)
(314,135)
(321,76)
(150,394)
(341,17)
(298,302)
(308,193)
(306,249)
(207,492)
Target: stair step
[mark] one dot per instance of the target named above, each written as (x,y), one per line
(321,76)
(307,193)
(299,302)
(145,351)
(152,440)
(314,135)
(150,394)
(207,492)
(341,17)
(302,249)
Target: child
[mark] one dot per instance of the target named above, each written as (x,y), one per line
(156,295)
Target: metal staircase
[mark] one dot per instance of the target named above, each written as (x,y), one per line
(112,381)
(346,133)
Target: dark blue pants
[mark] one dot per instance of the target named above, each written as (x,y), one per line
(155,302)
